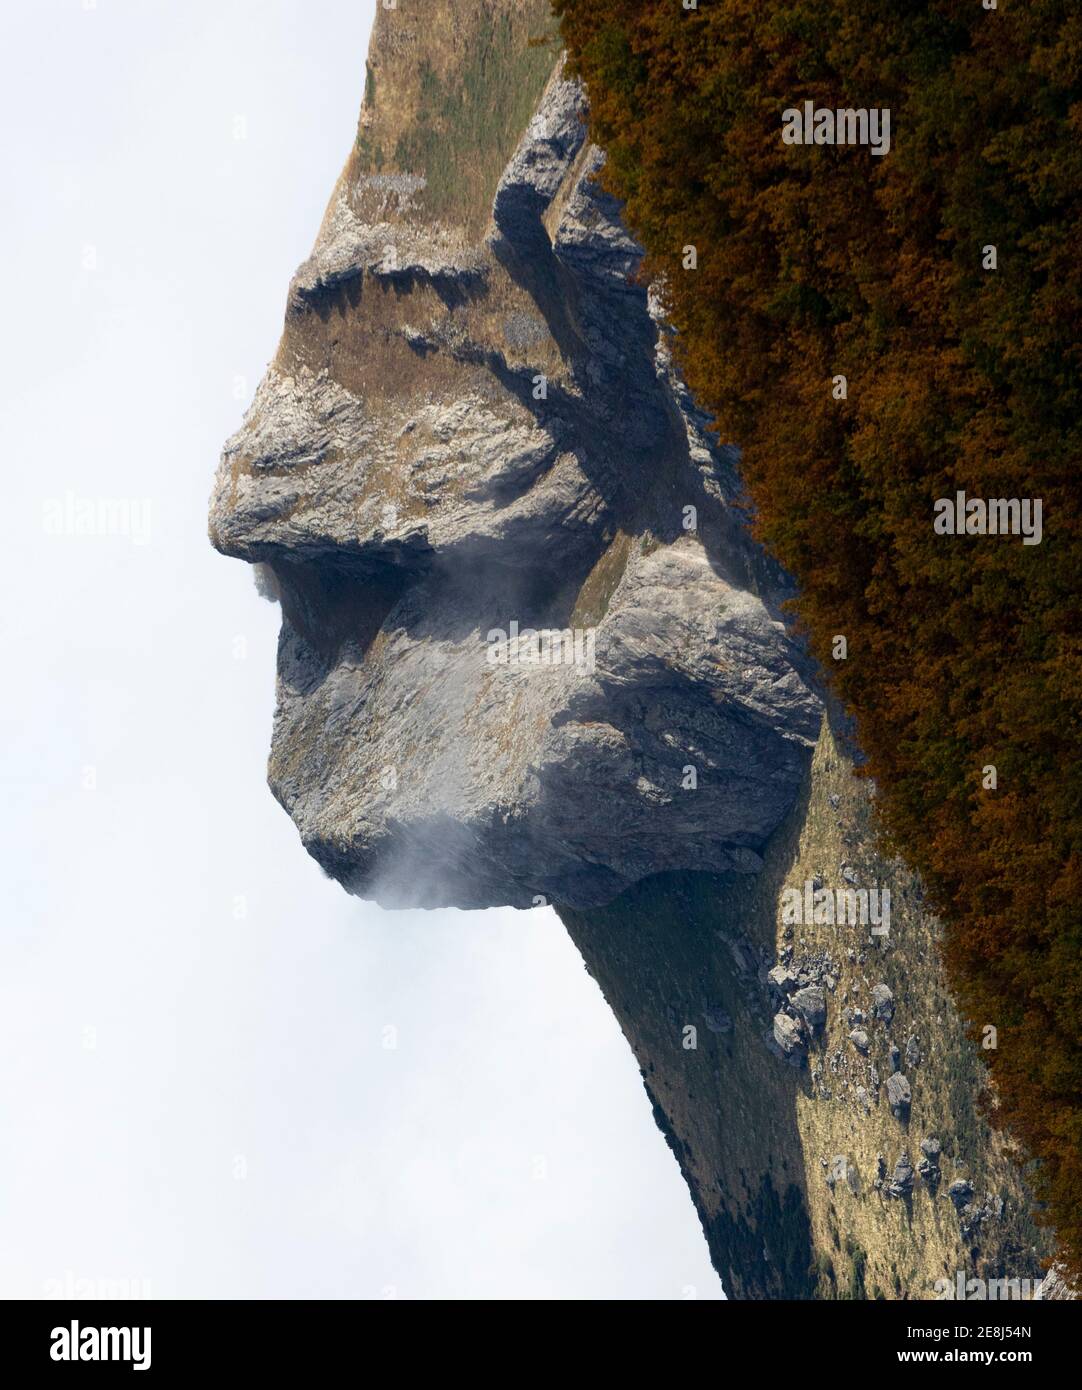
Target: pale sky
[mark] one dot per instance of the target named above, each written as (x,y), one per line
(196,1094)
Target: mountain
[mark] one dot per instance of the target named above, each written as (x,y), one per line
(529,653)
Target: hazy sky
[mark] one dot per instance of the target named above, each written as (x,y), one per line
(196,1090)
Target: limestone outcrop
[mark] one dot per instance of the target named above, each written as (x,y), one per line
(460,439)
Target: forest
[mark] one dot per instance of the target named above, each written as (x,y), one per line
(878,331)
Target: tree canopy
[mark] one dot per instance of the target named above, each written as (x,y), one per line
(962,374)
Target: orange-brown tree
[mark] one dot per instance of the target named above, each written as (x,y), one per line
(819,261)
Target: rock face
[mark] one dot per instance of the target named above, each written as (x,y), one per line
(463,437)
(529,652)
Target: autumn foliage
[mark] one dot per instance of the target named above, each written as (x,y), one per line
(818,261)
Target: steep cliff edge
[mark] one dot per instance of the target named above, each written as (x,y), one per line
(472,429)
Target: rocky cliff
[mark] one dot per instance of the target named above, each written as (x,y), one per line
(530,653)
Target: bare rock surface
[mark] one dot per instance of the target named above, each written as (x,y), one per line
(458,437)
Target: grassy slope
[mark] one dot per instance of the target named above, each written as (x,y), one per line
(751,1133)
(456,115)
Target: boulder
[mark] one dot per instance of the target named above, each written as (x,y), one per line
(811,1004)
(783,979)
(898,1094)
(901,1180)
(929,1172)
(883,1003)
(789,1034)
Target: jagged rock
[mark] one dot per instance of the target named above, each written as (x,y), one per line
(859,1039)
(960,1192)
(930,1174)
(901,1181)
(912,1053)
(898,1095)
(789,1034)
(969,1220)
(928,1167)
(784,979)
(895,1058)
(811,1004)
(883,1003)
(848,874)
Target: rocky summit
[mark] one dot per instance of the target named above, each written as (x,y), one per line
(475,428)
